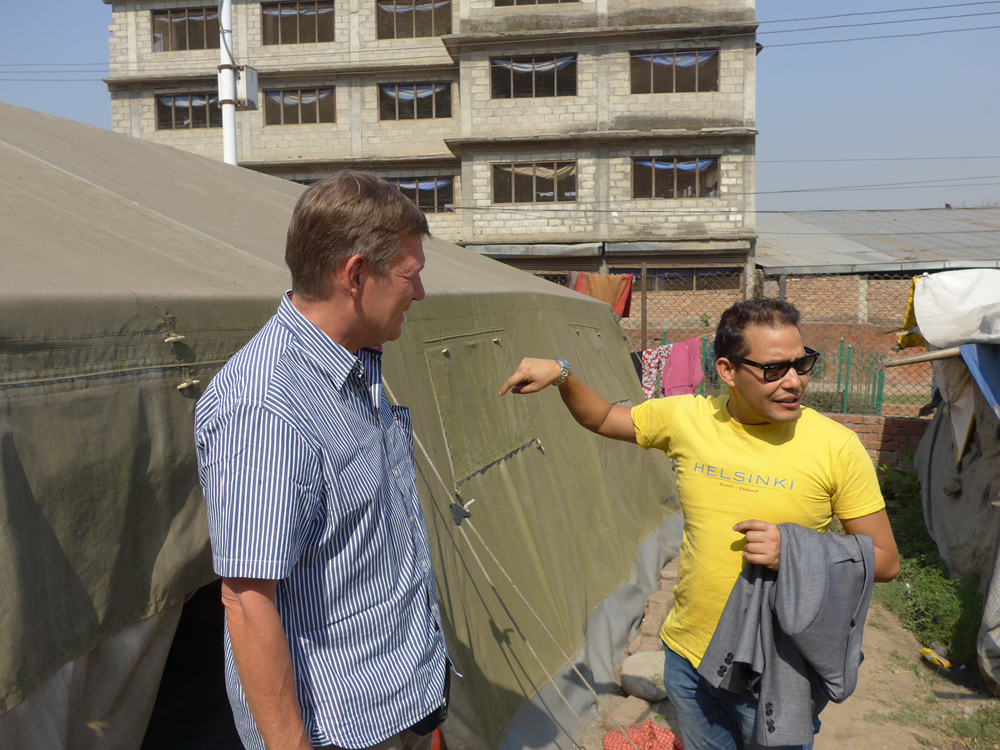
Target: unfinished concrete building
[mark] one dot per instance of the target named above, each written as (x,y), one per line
(583,135)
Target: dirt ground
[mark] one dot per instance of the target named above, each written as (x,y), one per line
(901,702)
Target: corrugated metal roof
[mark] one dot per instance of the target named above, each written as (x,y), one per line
(872,241)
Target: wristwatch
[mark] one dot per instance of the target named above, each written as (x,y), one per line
(564,368)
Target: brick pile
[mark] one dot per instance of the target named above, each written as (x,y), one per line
(890,441)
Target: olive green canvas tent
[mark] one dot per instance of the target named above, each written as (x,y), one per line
(131,273)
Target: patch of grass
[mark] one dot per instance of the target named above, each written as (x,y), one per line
(907,715)
(927,601)
(982,729)
(878,625)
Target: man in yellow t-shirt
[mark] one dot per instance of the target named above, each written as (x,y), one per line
(745,463)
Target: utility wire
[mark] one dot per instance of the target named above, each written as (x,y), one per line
(886,36)
(439,47)
(875,23)
(880,12)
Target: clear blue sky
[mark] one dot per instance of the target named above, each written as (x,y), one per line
(890,99)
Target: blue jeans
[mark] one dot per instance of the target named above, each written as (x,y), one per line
(709,718)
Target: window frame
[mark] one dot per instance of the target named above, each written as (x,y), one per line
(675,176)
(513,3)
(439,206)
(300,6)
(211,41)
(434,96)
(555,164)
(680,279)
(438,25)
(298,91)
(633,54)
(514,60)
(213,114)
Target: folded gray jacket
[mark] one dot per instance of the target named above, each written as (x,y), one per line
(792,638)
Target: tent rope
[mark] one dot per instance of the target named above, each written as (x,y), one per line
(601,705)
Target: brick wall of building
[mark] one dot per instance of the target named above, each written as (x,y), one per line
(481,17)
(890,441)
(604,99)
(603,208)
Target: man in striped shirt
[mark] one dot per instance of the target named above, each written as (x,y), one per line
(333,635)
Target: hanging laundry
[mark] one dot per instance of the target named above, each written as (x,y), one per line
(652,365)
(681,368)
(614,289)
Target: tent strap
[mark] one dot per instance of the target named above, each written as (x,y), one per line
(569,660)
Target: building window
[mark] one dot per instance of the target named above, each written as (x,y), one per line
(668,177)
(187,111)
(675,72)
(534,182)
(405,19)
(533,76)
(185,28)
(685,279)
(299,106)
(506,3)
(414,101)
(433,195)
(297,23)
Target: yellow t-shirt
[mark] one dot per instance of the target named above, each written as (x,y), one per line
(802,472)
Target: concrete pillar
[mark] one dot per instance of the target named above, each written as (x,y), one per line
(862,298)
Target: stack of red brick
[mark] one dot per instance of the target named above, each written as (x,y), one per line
(890,441)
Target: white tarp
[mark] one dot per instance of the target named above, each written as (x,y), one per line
(959,307)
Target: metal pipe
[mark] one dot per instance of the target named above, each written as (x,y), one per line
(912,359)
(227,82)
(840,361)
(642,299)
(847,376)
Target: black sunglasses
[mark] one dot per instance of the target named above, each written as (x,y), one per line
(777,370)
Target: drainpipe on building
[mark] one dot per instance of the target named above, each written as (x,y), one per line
(227,82)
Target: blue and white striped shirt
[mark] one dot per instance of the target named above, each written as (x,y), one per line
(309,478)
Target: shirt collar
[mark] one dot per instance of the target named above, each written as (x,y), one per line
(327,354)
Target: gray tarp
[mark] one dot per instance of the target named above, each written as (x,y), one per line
(110,246)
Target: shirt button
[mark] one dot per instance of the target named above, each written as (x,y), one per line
(424,564)
(396,472)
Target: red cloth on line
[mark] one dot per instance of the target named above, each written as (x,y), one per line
(681,368)
(646,736)
(616,290)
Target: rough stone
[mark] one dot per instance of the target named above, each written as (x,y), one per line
(663,598)
(648,645)
(634,646)
(632,711)
(642,676)
(651,626)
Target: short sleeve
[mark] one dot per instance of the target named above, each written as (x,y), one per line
(653,420)
(259,478)
(856,490)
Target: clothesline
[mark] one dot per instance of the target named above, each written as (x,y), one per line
(674,369)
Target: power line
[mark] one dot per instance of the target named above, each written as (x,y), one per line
(885,36)
(49,80)
(876,23)
(876,158)
(879,12)
(438,46)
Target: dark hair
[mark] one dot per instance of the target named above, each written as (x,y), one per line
(349,213)
(773,313)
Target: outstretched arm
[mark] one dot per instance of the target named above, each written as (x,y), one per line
(587,406)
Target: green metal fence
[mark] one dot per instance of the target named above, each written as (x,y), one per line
(849,380)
